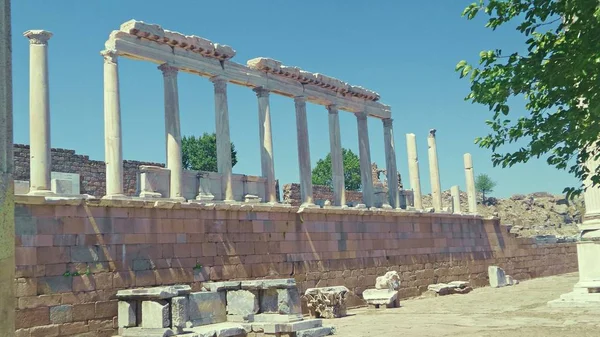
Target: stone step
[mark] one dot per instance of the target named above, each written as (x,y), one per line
(274,328)
(316,332)
(218,329)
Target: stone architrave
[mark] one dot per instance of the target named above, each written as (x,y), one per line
(7,221)
(365,158)
(413,170)
(306,188)
(470,180)
(266,143)
(39,113)
(390,162)
(173,131)
(337,158)
(434,172)
(455,193)
(113,146)
(223,137)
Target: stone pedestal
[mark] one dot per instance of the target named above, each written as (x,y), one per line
(266,143)
(306,188)
(337,157)
(434,172)
(364,148)
(223,137)
(39,113)
(390,163)
(470,182)
(413,170)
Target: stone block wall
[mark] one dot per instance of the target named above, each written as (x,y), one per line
(73,256)
(291,195)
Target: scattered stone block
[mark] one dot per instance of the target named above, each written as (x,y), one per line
(510,281)
(315,332)
(154,293)
(496,276)
(140,332)
(242,302)
(219,330)
(155,314)
(327,302)
(277,318)
(226,285)
(292,327)
(391,281)
(179,312)
(207,308)
(381,297)
(126,314)
(454,287)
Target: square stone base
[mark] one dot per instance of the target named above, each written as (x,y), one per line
(576,299)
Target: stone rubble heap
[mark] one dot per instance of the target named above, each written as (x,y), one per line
(225,309)
(385,294)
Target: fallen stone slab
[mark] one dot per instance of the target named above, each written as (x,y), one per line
(276,318)
(218,330)
(222,286)
(497,277)
(268,284)
(381,297)
(292,327)
(141,332)
(316,332)
(154,293)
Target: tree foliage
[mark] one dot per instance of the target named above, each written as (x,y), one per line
(484,184)
(557,75)
(321,174)
(201,153)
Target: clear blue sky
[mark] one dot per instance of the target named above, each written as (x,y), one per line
(405,50)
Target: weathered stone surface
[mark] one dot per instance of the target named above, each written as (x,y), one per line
(510,281)
(378,297)
(155,314)
(179,312)
(126,314)
(496,276)
(219,330)
(288,301)
(277,318)
(242,302)
(459,284)
(315,332)
(142,332)
(328,302)
(207,308)
(292,327)
(154,292)
(268,284)
(391,281)
(455,287)
(226,285)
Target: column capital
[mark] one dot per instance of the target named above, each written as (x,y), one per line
(333,109)
(361,116)
(300,99)
(220,83)
(168,70)
(261,92)
(38,36)
(110,56)
(432,132)
(387,122)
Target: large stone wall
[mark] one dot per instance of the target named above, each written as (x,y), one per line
(72,256)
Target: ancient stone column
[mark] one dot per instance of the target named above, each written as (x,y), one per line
(223,138)
(306,189)
(113,146)
(455,192)
(39,113)
(173,131)
(365,159)
(390,163)
(266,143)
(470,180)
(413,169)
(7,221)
(337,157)
(434,172)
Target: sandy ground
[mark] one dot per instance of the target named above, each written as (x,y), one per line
(519,310)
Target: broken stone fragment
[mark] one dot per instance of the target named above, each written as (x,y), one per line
(263,63)
(496,276)
(390,281)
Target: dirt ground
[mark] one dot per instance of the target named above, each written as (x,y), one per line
(519,310)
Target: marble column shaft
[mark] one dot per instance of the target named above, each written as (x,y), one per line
(266,143)
(337,157)
(413,169)
(470,182)
(390,163)
(7,202)
(455,193)
(306,188)
(365,159)
(223,137)
(434,172)
(591,196)
(173,130)
(39,112)
(113,146)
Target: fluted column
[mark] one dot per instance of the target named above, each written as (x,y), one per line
(591,196)
(413,169)
(337,157)
(7,201)
(113,147)
(390,163)
(306,188)
(39,112)
(364,148)
(470,182)
(434,172)
(266,142)
(223,137)
(173,130)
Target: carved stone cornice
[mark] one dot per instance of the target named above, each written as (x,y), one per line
(168,70)
(332,109)
(387,122)
(110,56)
(220,84)
(261,92)
(361,116)
(40,37)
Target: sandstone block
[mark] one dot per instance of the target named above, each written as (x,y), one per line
(242,302)
(391,281)
(61,314)
(155,314)
(179,312)
(496,276)
(126,314)
(207,308)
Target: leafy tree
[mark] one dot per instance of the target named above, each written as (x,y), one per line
(321,174)
(201,153)
(484,184)
(557,75)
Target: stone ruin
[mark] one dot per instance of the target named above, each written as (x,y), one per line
(385,294)
(327,302)
(226,309)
